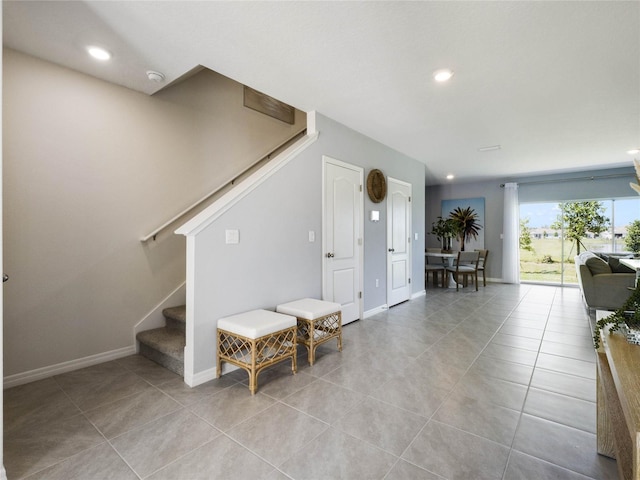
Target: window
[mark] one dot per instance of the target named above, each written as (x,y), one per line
(550,240)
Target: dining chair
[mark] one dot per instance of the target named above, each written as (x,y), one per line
(466,266)
(481,265)
(435,266)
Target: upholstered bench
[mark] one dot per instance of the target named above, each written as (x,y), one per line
(255,340)
(318,322)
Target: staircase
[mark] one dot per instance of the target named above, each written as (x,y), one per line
(165,345)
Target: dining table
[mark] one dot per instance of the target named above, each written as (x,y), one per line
(449,257)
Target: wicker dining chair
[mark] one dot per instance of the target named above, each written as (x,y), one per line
(466,266)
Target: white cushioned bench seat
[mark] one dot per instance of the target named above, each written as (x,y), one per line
(256,323)
(309,308)
(255,340)
(318,322)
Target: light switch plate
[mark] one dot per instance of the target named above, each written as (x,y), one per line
(232,237)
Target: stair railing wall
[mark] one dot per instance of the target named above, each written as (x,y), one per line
(225,185)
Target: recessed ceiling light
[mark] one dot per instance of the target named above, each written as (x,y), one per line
(99,53)
(450,177)
(633,151)
(442,75)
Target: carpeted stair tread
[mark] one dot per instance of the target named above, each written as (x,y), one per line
(178,314)
(168,341)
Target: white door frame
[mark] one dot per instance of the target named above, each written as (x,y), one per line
(325,161)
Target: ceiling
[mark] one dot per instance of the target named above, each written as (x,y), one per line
(555,84)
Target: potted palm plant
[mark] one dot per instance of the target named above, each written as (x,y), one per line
(466,220)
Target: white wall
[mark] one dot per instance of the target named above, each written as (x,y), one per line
(274,261)
(89,168)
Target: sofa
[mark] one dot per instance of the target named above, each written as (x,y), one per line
(605,283)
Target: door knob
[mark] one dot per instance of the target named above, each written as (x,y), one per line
(392,250)
(5,277)
(330,255)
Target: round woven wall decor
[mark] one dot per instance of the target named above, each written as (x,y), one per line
(376,185)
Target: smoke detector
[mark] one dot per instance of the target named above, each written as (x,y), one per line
(155,76)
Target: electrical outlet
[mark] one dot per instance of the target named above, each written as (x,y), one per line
(377,283)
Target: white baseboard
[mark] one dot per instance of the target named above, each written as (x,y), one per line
(208,375)
(374,311)
(418,294)
(64,367)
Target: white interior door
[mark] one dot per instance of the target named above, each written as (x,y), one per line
(398,241)
(342,237)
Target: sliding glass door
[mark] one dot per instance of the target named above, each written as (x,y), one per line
(553,233)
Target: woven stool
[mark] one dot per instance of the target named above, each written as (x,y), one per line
(318,322)
(255,340)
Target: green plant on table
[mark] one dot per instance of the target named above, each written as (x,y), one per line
(629,312)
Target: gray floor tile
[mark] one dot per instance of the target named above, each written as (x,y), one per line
(37,402)
(439,448)
(562,409)
(185,395)
(220,458)
(89,390)
(485,419)
(510,354)
(358,378)
(131,412)
(383,425)
(516,341)
(567,447)
(262,434)
(503,370)
(404,470)
(571,366)
(162,441)
(413,391)
(97,463)
(231,406)
(525,467)
(335,455)
(30,449)
(585,353)
(324,401)
(492,390)
(279,382)
(579,387)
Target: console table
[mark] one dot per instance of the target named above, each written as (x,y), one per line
(618,397)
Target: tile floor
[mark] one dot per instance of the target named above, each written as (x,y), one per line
(495,384)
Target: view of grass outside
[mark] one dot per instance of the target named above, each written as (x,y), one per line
(546,262)
(544,256)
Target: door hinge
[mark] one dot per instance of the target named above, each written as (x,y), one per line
(409,240)
(359,294)
(409,280)
(360,241)
(409,197)
(360,187)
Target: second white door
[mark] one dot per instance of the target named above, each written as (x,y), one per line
(398,241)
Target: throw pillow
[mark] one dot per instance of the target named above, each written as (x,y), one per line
(617,267)
(596,265)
